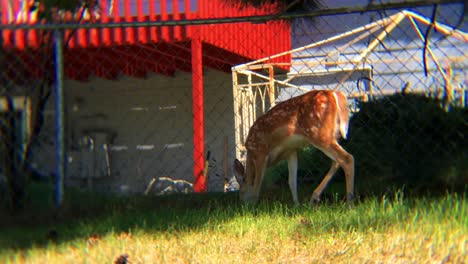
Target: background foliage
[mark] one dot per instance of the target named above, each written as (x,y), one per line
(401,141)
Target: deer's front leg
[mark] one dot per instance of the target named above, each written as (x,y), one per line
(260,167)
(292,169)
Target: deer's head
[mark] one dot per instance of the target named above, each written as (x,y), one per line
(246,190)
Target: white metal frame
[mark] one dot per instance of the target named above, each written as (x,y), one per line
(252,97)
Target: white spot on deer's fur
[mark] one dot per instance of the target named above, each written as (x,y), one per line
(323,105)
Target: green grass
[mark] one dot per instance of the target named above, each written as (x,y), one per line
(217,228)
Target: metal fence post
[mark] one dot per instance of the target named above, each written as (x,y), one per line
(60,118)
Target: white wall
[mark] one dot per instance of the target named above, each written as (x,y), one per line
(151,120)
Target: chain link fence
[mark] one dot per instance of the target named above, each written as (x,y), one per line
(134,110)
(404,72)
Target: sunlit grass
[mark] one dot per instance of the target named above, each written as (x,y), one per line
(218,229)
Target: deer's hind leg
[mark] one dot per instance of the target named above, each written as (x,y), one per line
(342,159)
(324,183)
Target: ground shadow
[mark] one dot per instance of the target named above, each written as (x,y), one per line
(86,214)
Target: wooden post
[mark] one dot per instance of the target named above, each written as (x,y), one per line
(198,116)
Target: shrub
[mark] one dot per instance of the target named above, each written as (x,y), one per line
(410,141)
(400,141)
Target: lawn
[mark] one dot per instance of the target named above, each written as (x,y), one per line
(217,228)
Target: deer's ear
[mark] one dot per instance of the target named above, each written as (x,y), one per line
(239,171)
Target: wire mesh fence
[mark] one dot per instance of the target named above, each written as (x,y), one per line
(150,102)
(404,73)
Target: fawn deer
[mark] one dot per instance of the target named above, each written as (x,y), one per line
(320,118)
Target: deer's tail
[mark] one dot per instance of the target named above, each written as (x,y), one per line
(342,117)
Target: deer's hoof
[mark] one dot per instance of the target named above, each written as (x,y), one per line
(315,200)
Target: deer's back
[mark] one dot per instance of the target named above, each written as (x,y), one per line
(292,124)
